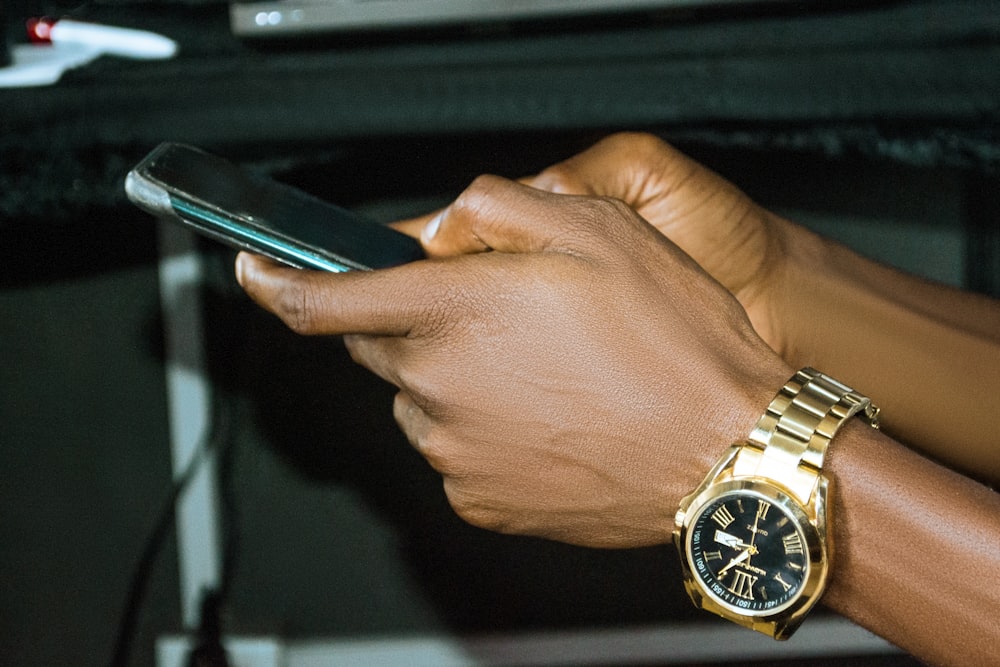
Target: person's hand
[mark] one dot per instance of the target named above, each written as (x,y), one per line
(914,345)
(736,241)
(572,383)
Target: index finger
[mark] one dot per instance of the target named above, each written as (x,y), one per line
(386,302)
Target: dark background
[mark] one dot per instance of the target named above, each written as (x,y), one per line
(875,122)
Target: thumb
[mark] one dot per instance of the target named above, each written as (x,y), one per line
(452,242)
(425,228)
(498,214)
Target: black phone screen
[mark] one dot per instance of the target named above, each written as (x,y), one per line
(256,212)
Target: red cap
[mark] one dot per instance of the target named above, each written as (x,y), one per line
(40,30)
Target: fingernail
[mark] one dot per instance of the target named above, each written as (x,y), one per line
(430,230)
(240,267)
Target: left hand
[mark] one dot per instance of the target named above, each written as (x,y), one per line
(571,384)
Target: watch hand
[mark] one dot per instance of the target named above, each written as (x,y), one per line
(753,536)
(745,554)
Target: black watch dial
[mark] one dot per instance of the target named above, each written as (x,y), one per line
(748,552)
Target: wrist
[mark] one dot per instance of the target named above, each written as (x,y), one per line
(729,411)
(789,297)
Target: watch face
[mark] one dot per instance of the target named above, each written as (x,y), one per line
(748,552)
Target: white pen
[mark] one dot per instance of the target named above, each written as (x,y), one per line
(111,40)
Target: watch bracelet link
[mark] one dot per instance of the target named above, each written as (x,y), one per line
(790,440)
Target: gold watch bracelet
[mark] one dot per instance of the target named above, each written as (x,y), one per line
(790,440)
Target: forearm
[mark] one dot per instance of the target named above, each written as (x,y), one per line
(928,354)
(916,549)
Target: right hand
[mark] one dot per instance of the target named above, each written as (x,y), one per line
(573,384)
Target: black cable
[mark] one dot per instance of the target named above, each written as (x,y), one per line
(218,439)
(208,650)
(141,575)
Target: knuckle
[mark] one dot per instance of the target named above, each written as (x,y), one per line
(478,517)
(298,308)
(359,347)
(603,229)
(474,509)
(485,184)
(478,198)
(473,194)
(605,208)
(599,214)
(427,437)
(436,451)
(642,143)
(416,379)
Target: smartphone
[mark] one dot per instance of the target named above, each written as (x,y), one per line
(251,212)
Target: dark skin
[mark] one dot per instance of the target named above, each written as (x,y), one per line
(816,302)
(633,317)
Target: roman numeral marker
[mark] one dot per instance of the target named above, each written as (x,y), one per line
(792,543)
(742,585)
(723,517)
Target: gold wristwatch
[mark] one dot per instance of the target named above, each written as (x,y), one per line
(753,537)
